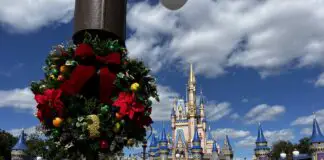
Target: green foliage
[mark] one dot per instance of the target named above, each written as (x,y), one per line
(7,141)
(72,137)
(286,146)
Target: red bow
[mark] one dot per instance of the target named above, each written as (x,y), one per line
(82,73)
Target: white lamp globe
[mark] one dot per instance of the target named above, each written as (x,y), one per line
(296,153)
(39,158)
(283,155)
(173,4)
(177,155)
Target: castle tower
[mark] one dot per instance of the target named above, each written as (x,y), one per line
(214,152)
(317,141)
(261,150)
(18,151)
(191,103)
(196,149)
(209,141)
(163,146)
(154,149)
(227,149)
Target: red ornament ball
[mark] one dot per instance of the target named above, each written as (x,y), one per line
(103,144)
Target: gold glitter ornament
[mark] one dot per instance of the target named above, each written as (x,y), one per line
(93,126)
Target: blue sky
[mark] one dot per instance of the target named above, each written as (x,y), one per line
(276,77)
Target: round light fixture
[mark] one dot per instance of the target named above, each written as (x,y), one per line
(283,155)
(173,4)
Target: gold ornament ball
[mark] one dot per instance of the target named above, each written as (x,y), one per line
(116,128)
(64,69)
(57,122)
(130,142)
(52,76)
(135,86)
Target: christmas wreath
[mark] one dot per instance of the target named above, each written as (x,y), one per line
(94,99)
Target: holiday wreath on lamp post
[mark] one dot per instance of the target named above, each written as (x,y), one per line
(94,99)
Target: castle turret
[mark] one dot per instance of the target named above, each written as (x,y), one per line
(317,141)
(154,149)
(196,149)
(192,102)
(227,149)
(214,151)
(163,146)
(209,141)
(261,150)
(18,151)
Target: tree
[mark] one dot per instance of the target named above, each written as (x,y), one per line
(7,141)
(286,146)
(282,146)
(304,146)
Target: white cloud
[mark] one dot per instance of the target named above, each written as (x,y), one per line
(308,121)
(17,98)
(271,136)
(263,112)
(28,131)
(232,133)
(208,31)
(26,15)
(320,80)
(203,32)
(162,110)
(235,116)
(217,111)
(245,100)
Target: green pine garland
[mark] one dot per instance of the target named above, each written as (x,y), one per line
(73,133)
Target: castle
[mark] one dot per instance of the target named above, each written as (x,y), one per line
(190,138)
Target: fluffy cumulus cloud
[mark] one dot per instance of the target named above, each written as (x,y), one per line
(307,122)
(26,16)
(31,130)
(268,36)
(232,133)
(17,98)
(320,80)
(234,116)
(216,111)
(264,35)
(271,136)
(162,109)
(264,112)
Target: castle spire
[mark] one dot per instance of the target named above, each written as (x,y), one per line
(192,79)
(21,144)
(201,101)
(261,138)
(317,135)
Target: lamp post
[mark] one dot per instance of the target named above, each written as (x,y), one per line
(283,155)
(295,154)
(144,145)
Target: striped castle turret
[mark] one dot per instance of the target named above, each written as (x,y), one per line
(163,146)
(261,150)
(214,152)
(196,149)
(317,141)
(153,149)
(227,149)
(18,151)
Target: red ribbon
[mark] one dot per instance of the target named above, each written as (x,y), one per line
(82,73)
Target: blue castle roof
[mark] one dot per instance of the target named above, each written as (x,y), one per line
(21,144)
(317,135)
(209,135)
(227,142)
(261,138)
(196,140)
(163,137)
(153,141)
(173,112)
(214,147)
